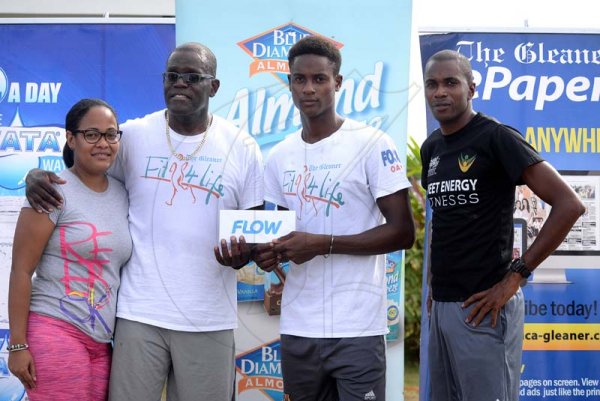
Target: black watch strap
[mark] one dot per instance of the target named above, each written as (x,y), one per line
(518,266)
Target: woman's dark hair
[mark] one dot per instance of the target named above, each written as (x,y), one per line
(73,119)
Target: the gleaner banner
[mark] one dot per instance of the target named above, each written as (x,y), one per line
(545,85)
(548,87)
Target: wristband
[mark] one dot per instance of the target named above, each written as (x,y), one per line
(17,347)
(330,248)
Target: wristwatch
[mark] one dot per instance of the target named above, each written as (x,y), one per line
(518,266)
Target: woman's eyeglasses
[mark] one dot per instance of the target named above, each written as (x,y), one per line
(92,135)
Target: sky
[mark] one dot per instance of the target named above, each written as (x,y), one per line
(538,14)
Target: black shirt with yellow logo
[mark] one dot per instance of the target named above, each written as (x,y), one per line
(470,178)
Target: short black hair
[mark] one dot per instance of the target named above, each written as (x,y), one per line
(316,45)
(73,119)
(447,55)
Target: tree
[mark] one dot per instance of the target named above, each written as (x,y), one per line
(413,277)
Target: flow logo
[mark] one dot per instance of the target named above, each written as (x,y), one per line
(241,227)
(269,49)
(391,157)
(257,226)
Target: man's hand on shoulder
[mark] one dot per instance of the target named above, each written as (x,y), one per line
(39,191)
(492,300)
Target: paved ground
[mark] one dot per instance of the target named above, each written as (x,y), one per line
(411,393)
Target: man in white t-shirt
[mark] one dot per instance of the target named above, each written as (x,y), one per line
(349,190)
(177,305)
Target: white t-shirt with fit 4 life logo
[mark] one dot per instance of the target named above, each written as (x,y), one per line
(333,186)
(173,279)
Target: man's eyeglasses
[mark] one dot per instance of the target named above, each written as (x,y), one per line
(188,77)
(92,135)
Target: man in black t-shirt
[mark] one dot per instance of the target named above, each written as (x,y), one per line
(471,165)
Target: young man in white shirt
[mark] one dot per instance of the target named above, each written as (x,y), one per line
(350,194)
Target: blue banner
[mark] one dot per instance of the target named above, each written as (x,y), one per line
(548,87)
(47,68)
(545,85)
(44,70)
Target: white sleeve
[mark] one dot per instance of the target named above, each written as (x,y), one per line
(385,172)
(273,186)
(56,214)
(117,168)
(252,194)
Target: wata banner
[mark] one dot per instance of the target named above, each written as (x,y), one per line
(548,87)
(45,68)
(251,44)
